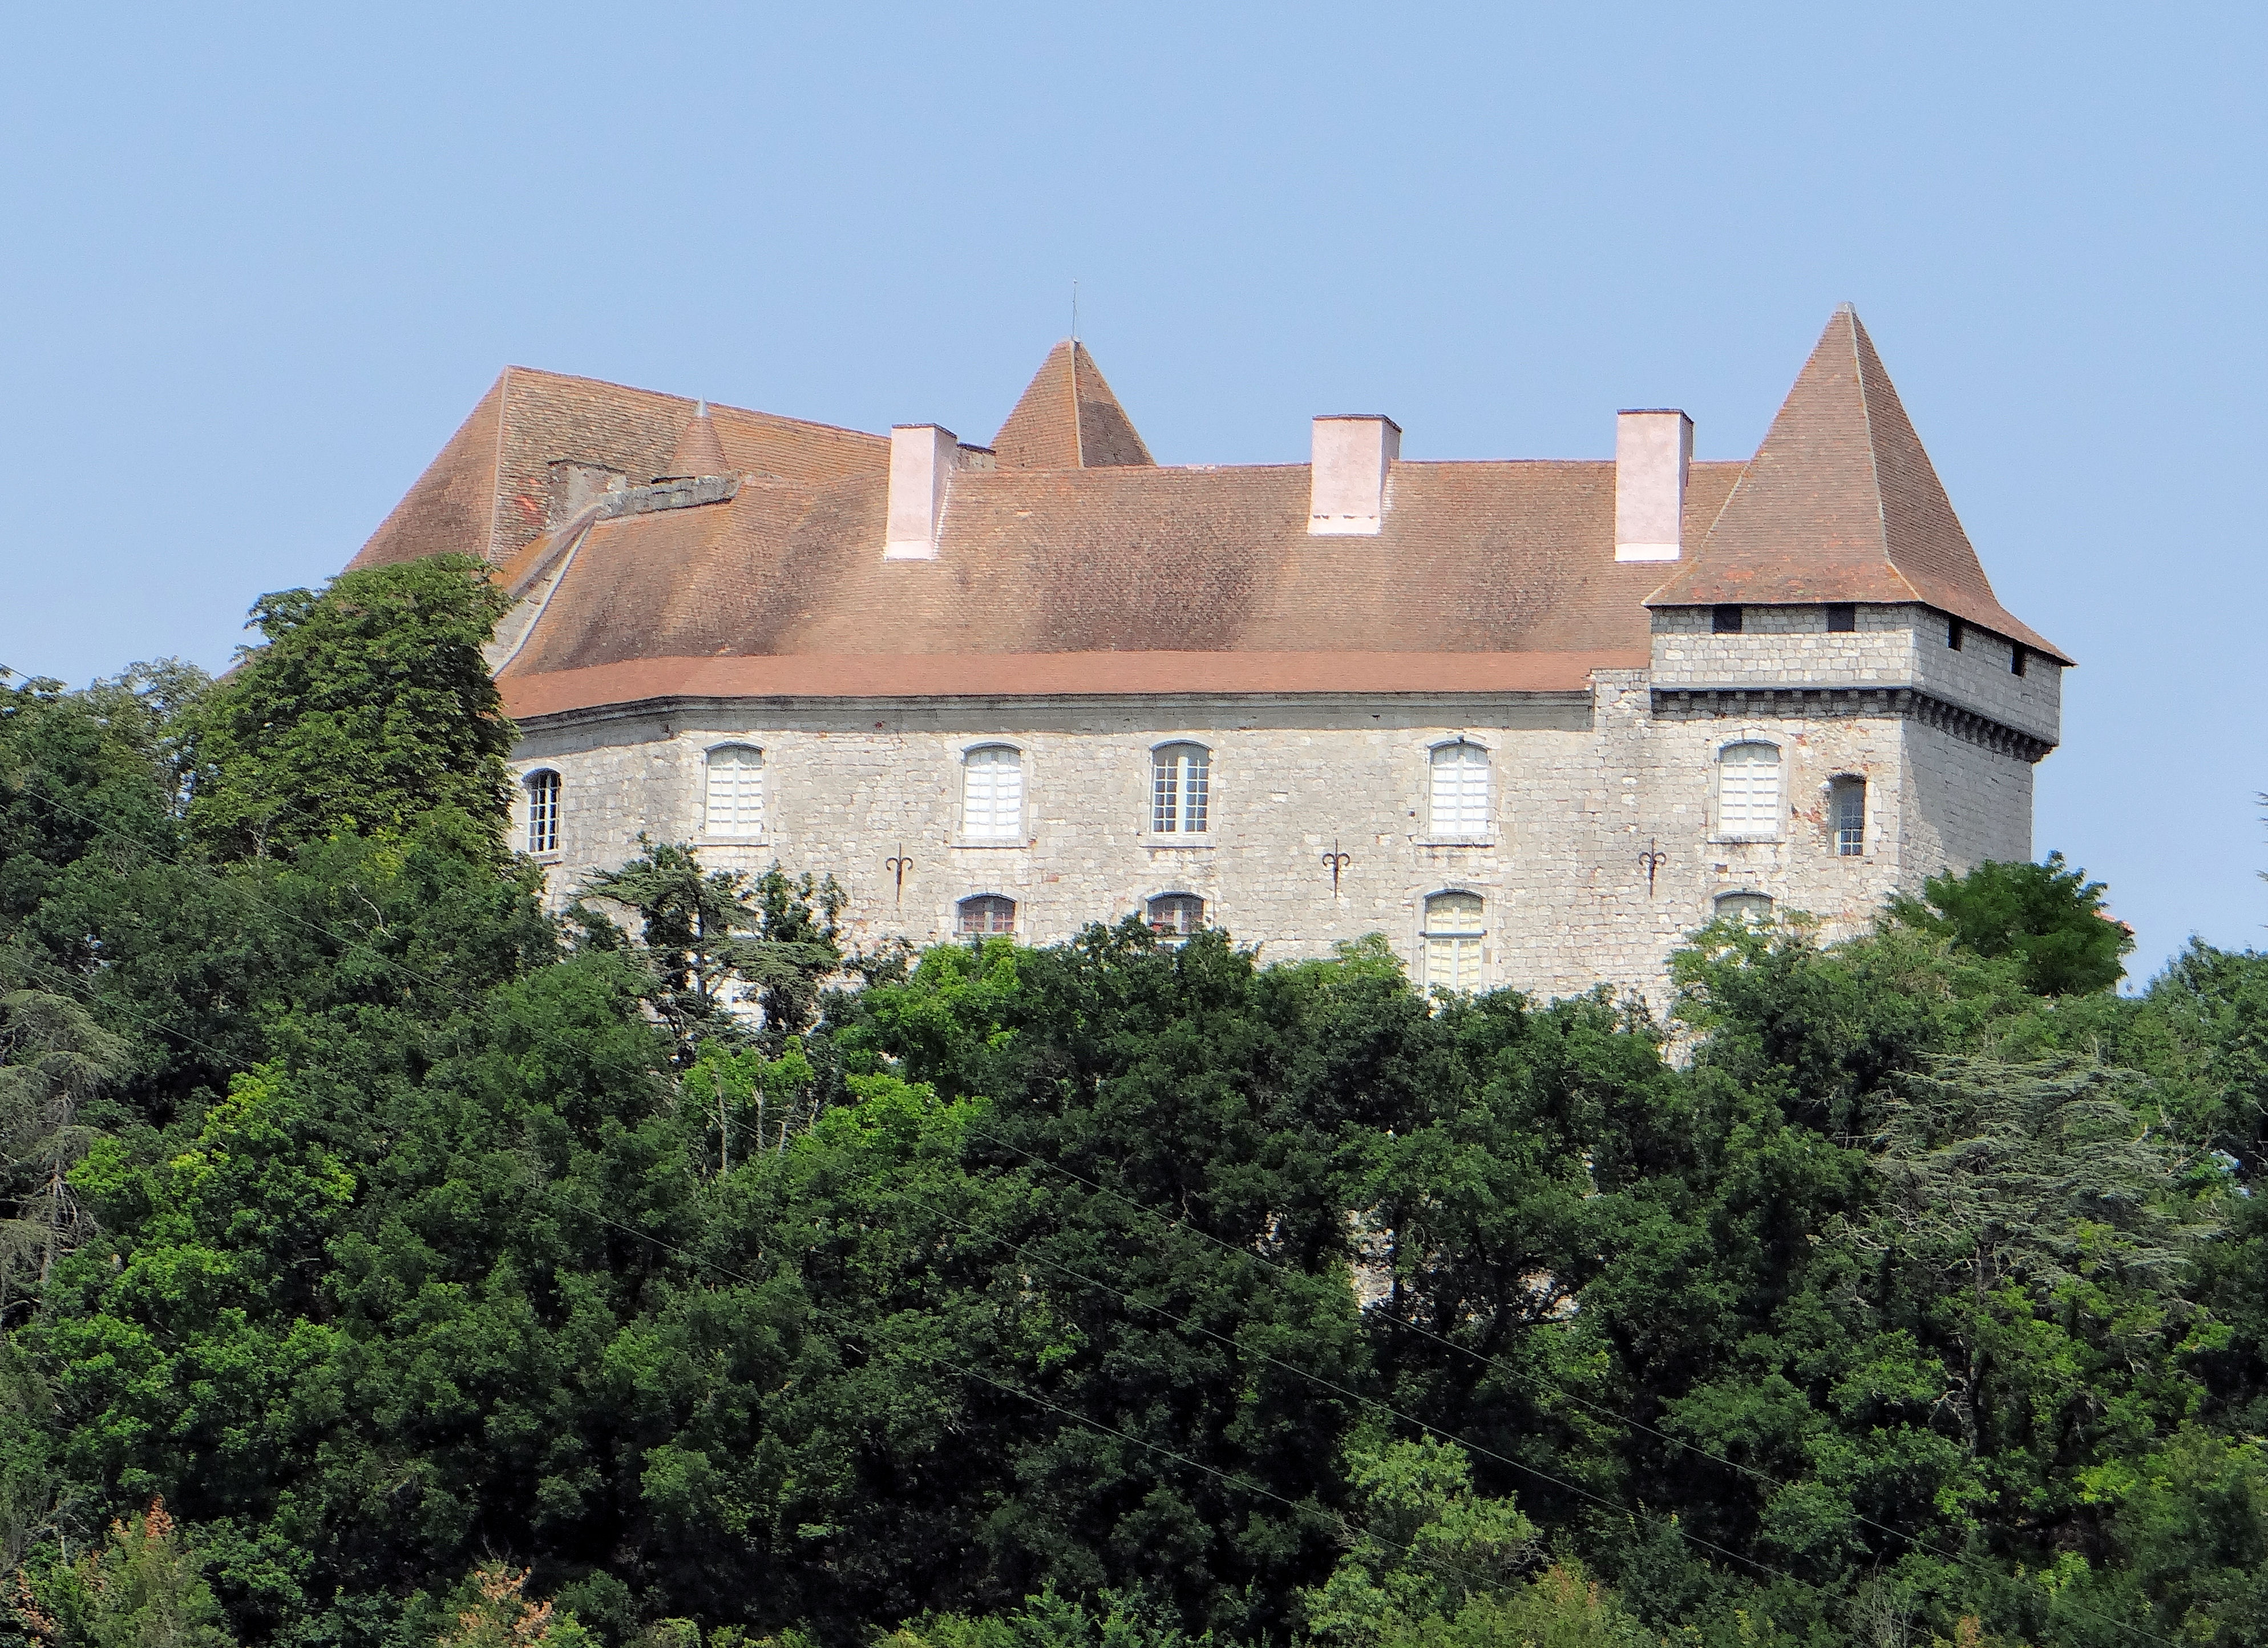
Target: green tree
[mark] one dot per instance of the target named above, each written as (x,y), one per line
(2050,918)
(368,705)
(142,1587)
(53,1057)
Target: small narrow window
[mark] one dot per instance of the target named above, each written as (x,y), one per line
(985,915)
(1749,906)
(1953,633)
(1748,789)
(993,793)
(1453,931)
(1842,618)
(1176,915)
(1725,621)
(736,792)
(1460,799)
(543,812)
(1847,799)
(2016,659)
(1180,787)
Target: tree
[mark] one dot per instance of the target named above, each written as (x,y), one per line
(369,705)
(494,1612)
(141,1588)
(2050,918)
(53,1056)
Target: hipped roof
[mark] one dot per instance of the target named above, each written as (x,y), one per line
(1079,564)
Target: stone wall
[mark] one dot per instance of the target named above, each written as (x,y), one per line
(1582,787)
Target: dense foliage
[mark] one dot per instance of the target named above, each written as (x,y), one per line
(389,1262)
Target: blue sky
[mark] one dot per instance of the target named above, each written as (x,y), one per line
(259,263)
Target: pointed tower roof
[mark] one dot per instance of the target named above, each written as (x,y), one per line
(699,452)
(1069,419)
(1841,503)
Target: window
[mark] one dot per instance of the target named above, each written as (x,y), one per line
(1842,618)
(1460,792)
(2016,659)
(1180,778)
(1176,915)
(984,916)
(736,791)
(543,812)
(1453,941)
(992,794)
(1725,621)
(1846,801)
(1953,633)
(1749,906)
(1748,789)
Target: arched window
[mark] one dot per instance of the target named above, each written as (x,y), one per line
(985,914)
(1846,815)
(1176,915)
(1180,784)
(542,812)
(1453,931)
(1748,789)
(1460,793)
(1749,906)
(993,793)
(736,791)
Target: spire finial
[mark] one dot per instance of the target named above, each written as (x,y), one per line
(1074,309)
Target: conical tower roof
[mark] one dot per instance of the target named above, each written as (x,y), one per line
(1068,419)
(1841,503)
(699,452)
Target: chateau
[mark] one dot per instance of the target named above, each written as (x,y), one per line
(1532,720)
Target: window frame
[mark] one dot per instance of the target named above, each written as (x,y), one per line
(1484,833)
(1739,899)
(1842,618)
(1182,898)
(1840,788)
(708,792)
(992,902)
(1722,831)
(1429,934)
(1019,833)
(551,814)
(1177,833)
(1726,618)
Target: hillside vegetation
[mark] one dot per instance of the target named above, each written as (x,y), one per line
(387,1263)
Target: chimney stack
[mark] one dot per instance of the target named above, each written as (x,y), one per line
(922,460)
(1652,451)
(1353,454)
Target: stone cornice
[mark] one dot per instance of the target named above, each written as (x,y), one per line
(1679,704)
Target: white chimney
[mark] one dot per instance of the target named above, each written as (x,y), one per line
(1652,451)
(922,457)
(1353,456)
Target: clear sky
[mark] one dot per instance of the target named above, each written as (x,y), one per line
(258,263)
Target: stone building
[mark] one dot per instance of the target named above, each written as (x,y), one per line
(1532,720)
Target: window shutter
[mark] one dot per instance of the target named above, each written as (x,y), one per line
(1748,791)
(736,792)
(993,793)
(1460,799)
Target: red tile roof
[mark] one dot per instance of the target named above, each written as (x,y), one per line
(1079,566)
(1841,503)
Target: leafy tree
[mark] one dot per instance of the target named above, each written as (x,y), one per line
(142,1588)
(52,1056)
(368,705)
(494,1612)
(2049,918)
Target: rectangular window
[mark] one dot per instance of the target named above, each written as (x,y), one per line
(1953,633)
(1180,790)
(1725,621)
(543,812)
(992,794)
(1460,801)
(1842,618)
(1748,791)
(735,800)
(2017,660)
(1851,819)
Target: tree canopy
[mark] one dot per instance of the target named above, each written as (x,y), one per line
(394,1260)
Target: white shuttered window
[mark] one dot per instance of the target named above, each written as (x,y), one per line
(992,794)
(1454,932)
(1461,793)
(1748,789)
(736,791)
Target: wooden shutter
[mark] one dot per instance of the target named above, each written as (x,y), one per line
(1461,797)
(736,792)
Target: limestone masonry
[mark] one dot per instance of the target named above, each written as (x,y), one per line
(1532,721)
